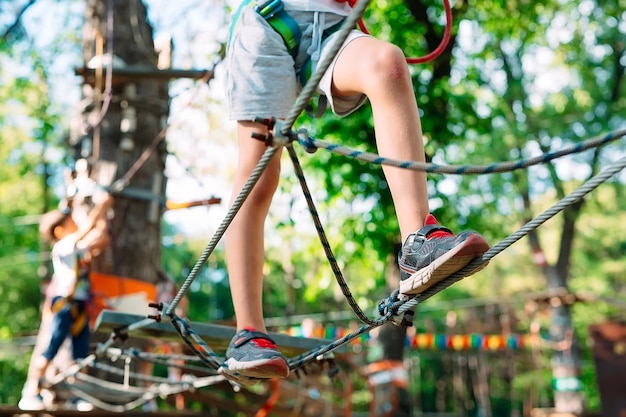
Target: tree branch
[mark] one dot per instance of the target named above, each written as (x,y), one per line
(17,20)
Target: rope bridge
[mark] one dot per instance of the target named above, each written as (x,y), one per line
(396,308)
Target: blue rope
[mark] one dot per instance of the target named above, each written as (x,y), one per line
(310,144)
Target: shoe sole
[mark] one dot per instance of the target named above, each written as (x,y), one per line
(25,406)
(446,265)
(237,378)
(262,368)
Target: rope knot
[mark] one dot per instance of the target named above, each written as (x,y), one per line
(390,307)
(307,142)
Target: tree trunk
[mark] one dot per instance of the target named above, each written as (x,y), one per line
(120,134)
(566,363)
(390,395)
(120,127)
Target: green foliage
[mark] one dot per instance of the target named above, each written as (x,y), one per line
(14,370)
(31,151)
(209,294)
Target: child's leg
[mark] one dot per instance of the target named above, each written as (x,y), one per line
(379,70)
(430,251)
(244,237)
(251,352)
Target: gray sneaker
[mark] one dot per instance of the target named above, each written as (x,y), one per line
(433,253)
(253,354)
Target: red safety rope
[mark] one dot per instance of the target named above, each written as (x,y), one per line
(438,50)
(272,400)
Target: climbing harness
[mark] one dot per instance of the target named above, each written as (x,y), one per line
(273,11)
(78,312)
(78,308)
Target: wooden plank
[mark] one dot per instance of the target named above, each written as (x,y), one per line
(133,72)
(216,336)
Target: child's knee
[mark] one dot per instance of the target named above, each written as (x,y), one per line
(388,65)
(266,186)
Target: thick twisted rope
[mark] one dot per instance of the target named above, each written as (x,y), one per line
(314,354)
(312,144)
(404,306)
(132,396)
(322,236)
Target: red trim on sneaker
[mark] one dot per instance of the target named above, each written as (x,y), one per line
(431,220)
(259,341)
(263,343)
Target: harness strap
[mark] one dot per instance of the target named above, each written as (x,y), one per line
(79,315)
(80,319)
(308,68)
(273,11)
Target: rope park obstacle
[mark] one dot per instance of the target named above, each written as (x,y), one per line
(397,308)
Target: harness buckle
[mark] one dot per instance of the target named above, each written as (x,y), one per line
(273,11)
(269,8)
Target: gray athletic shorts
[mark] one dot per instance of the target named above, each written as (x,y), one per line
(262,80)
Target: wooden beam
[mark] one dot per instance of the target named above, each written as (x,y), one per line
(134,72)
(216,336)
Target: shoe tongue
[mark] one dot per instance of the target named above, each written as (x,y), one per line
(430,219)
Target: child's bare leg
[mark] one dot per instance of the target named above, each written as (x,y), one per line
(379,70)
(251,352)
(244,237)
(429,254)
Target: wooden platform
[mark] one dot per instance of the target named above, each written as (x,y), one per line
(216,336)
